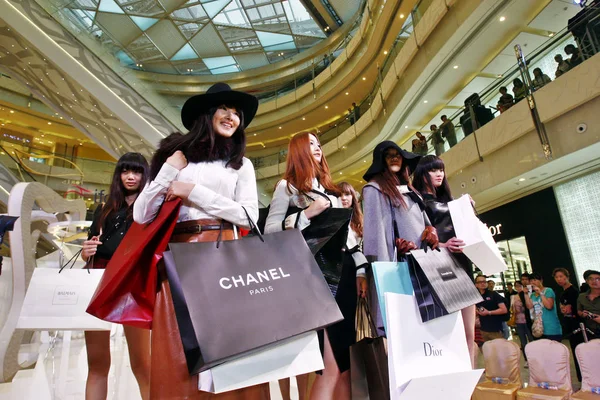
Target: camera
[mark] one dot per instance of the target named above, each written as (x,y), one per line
(589,315)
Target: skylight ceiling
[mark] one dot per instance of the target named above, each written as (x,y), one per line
(198,37)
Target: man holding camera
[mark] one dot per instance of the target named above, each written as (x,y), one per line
(588,303)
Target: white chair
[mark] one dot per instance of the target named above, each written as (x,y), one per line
(501,361)
(588,355)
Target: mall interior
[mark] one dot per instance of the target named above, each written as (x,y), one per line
(83,82)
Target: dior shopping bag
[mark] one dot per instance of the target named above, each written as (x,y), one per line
(127,292)
(440,284)
(480,246)
(245,294)
(291,357)
(368,359)
(57,301)
(427,360)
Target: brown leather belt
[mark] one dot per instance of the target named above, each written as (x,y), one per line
(200,225)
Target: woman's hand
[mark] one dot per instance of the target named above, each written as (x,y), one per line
(536,289)
(90,247)
(317,207)
(404,246)
(361,287)
(455,245)
(430,236)
(179,189)
(177,160)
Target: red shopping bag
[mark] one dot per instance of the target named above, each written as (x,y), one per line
(127,291)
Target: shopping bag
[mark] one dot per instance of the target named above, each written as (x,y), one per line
(291,357)
(127,291)
(368,359)
(441,285)
(427,360)
(240,295)
(480,246)
(392,277)
(57,300)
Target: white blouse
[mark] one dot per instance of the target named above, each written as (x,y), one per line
(219,192)
(283,198)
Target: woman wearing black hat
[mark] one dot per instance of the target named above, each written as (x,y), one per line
(207,169)
(390,204)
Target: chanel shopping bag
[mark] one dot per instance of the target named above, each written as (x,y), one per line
(57,301)
(480,246)
(440,284)
(427,360)
(127,292)
(237,296)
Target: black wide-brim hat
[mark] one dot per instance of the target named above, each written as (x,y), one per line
(379,165)
(218,94)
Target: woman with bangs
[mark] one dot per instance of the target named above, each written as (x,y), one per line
(431,182)
(111,222)
(307,186)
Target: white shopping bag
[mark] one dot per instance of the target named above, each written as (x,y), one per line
(57,301)
(480,246)
(295,356)
(427,360)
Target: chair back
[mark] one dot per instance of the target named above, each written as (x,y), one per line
(502,360)
(549,362)
(588,355)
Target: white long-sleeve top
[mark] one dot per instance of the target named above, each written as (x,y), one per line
(219,192)
(283,198)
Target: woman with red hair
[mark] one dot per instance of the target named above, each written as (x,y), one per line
(308,190)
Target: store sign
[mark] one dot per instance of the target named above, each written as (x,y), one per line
(495,229)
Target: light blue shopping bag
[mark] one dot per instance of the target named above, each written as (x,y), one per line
(390,277)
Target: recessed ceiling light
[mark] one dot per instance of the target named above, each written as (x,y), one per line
(303,119)
(551,34)
(425,101)
(364,160)
(456,67)
(385,52)
(340,173)
(364,78)
(502,19)
(347,93)
(326,107)
(255,134)
(279,127)
(522,180)
(12,111)
(406,126)
(49,123)
(401,15)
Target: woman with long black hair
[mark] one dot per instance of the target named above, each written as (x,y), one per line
(111,222)
(394,218)
(207,170)
(430,181)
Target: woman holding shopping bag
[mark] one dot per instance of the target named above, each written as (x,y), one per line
(388,200)
(207,170)
(307,186)
(430,181)
(111,222)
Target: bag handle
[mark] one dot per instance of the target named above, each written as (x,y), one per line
(363,310)
(71,261)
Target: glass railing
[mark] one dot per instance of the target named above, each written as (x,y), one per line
(339,126)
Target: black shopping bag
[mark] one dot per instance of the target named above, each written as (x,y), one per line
(326,237)
(245,294)
(440,284)
(368,360)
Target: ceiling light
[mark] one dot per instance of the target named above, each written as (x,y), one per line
(425,101)
(551,34)
(12,111)
(385,52)
(401,15)
(326,107)
(364,79)
(456,67)
(406,126)
(502,19)
(303,119)
(255,134)
(347,93)
(364,160)
(499,75)
(49,123)
(340,173)
(522,180)
(279,127)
